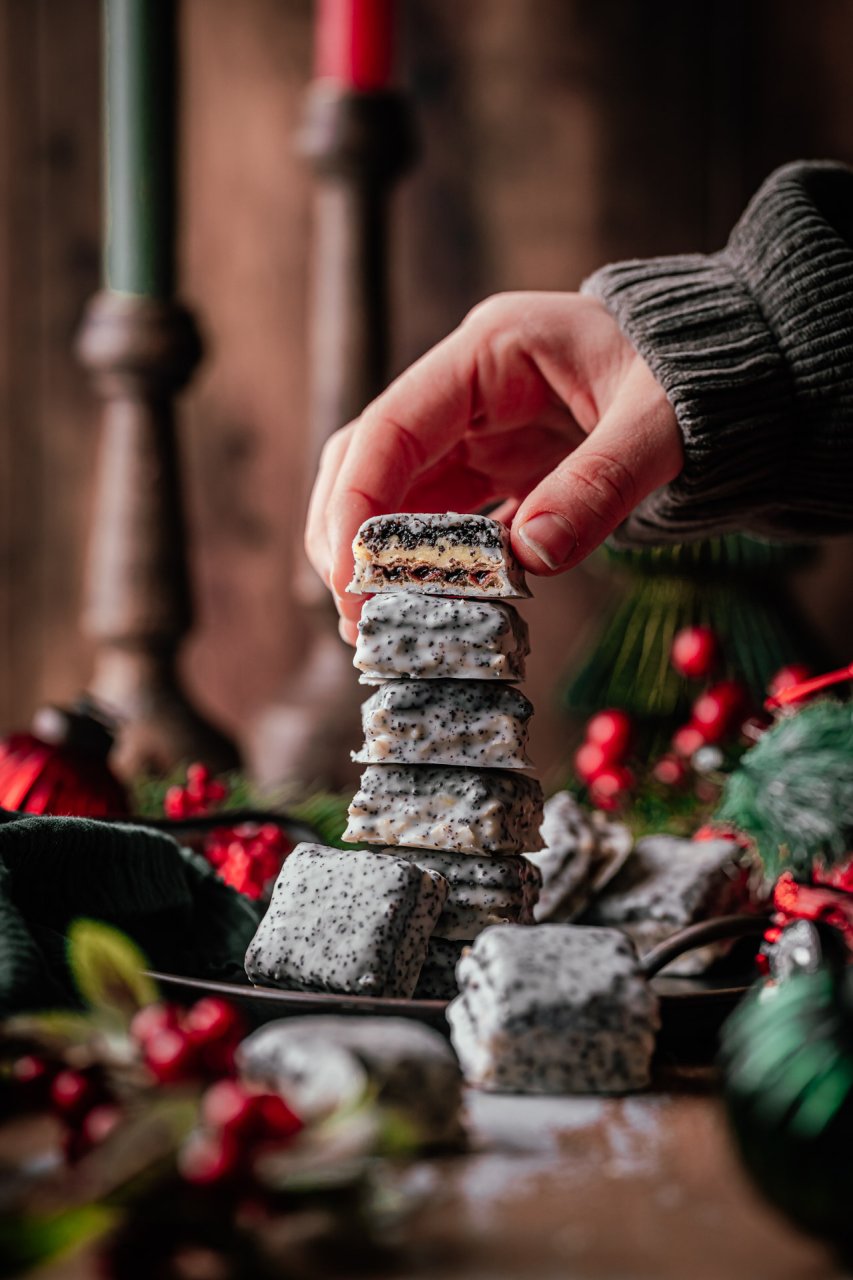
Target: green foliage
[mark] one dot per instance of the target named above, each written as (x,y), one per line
(29,1241)
(733,585)
(787,1059)
(793,792)
(108,970)
(326,812)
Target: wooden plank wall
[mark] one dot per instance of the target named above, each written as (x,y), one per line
(557,134)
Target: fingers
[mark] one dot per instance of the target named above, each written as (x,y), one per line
(634,449)
(476,375)
(316,540)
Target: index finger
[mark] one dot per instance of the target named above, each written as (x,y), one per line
(404,432)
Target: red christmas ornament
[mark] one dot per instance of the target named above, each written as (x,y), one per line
(609,789)
(611,730)
(718,709)
(694,652)
(60,767)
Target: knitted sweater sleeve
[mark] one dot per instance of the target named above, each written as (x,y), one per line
(754,348)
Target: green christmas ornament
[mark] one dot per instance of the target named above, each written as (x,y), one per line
(793,791)
(787,1061)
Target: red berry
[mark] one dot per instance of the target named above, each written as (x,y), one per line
(590,759)
(229,1105)
(100,1122)
(611,730)
(212,1019)
(32,1078)
(176,803)
(215,792)
(694,652)
(788,676)
(276,1120)
(609,789)
(716,711)
(670,770)
(73,1093)
(153,1018)
(198,775)
(687,740)
(170,1055)
(209,1157)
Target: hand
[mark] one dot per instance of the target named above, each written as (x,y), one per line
(537,401)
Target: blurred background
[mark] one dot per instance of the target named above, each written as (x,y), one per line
(555,135)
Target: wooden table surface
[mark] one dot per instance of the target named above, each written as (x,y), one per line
(638,1188)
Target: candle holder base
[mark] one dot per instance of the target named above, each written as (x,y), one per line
(141,351)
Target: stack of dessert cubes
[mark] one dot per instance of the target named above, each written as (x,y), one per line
(447,780)
(446,798)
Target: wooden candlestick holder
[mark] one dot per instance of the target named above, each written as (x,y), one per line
(359,144)
(141,351)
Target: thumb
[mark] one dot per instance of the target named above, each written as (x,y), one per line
(634,449)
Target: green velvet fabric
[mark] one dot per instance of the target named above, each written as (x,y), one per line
(168,899)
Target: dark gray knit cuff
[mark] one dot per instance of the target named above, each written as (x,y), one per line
(754,348)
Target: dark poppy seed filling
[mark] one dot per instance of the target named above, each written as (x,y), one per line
(436,554)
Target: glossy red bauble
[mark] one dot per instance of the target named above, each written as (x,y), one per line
(611,730)
(694,652)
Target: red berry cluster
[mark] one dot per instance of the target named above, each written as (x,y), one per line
(200,796)
(249,856)
(79,1098)
(600,761)
(191,1044)
(237,1125)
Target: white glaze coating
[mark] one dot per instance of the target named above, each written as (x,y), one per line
(583,851)
(436,554)
(437,978)
(669,883)
(476,723)
(481,891)
(555,1009)
(429,638)
(345,922)
(479,811)
(322,1063)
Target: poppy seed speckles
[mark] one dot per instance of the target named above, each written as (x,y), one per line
(474,811)
(352,924)
(477,723)
(557,1009)
(430,638)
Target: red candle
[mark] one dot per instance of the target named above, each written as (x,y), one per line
(355,42)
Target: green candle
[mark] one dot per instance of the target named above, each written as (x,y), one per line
(139,101)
